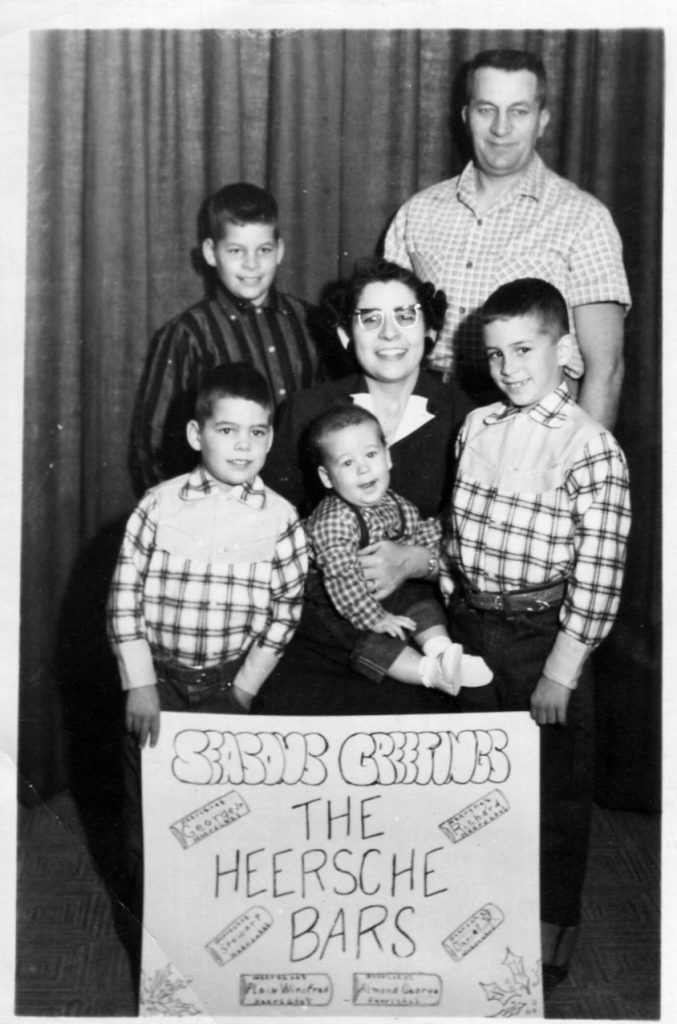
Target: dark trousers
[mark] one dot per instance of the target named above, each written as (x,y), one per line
(369,653)
(515,648)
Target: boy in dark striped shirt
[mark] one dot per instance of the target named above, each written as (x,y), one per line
(244,319)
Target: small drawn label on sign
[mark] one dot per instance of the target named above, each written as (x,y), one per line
(204,821)
(473,931)
(397,989)
(239,935)
(285,990)
(475,816)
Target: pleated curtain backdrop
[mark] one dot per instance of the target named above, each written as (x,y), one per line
(129,130)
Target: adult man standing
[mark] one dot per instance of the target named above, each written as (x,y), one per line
(508,216)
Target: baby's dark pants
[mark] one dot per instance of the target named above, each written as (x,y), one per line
(369,653)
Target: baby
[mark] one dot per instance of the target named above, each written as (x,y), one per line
(354,463)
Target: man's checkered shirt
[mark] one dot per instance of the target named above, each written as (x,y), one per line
(543,227)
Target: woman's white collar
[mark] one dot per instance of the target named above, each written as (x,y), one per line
(415,414)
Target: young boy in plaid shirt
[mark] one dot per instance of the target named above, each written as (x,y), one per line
(353,462)
(535,551)
(209,583)
(208,588)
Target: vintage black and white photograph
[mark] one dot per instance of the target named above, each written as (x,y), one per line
(335,554)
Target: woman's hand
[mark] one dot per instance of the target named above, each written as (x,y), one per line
(386,565)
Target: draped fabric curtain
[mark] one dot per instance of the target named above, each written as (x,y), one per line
(129,130)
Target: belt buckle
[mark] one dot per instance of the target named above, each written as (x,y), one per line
(498,603)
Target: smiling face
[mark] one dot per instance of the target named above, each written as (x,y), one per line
(233,441)
(356,464)
(246,259)
(505,120)
(525,361)
(392,353)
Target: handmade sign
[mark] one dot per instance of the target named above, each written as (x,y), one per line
(372,866)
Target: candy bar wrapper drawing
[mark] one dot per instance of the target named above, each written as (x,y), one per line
(329,867)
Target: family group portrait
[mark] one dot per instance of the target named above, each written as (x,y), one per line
(340,616)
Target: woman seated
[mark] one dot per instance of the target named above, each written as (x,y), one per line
(388,318)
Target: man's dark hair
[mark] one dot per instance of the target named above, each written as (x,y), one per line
(240,203)
(232,380)
(529,296)
(509,60)
(331,421)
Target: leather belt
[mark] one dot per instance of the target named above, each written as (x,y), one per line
(517,600)
(204,676)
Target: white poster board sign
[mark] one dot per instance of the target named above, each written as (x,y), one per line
(372,866)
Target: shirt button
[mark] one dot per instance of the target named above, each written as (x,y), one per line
(462,309)
(259,311)
(282,391)
(233,317)
(480,222)
(271,348)
(469,264)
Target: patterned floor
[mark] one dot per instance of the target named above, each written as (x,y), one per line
(71,961)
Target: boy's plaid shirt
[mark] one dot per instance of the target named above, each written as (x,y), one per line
(542,496)
(209,610)
(334,540)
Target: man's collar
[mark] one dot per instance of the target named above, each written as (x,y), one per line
(226,297)
(201,484)
(532,182)
(551,411)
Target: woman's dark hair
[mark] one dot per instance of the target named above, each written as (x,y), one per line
(341,303)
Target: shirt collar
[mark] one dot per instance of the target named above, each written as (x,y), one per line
(226,298)
(552,411)
(531,184)
(201,484)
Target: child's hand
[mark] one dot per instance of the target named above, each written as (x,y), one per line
(395,625)
(142,716)
(549,702)
(243,697)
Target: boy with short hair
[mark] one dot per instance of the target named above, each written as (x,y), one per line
(353,461)
(244,318)
(208,588)
(535,551)
(209,583)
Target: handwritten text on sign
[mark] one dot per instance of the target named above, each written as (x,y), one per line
(336,868)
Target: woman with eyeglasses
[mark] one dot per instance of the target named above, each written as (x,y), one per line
(387,319)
